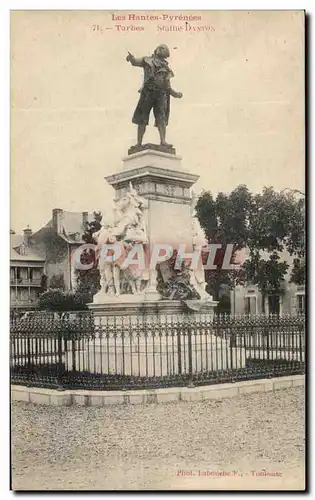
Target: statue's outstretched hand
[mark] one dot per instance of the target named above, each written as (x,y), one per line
(129,56)
(178,95)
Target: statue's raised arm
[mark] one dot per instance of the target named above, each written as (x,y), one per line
(135,61)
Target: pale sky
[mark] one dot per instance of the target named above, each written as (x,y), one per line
(240,121)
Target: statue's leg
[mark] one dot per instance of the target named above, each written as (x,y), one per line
(116,276)
(142,113)
(162,131)
(138,285)
(108,277)
(159,110)
(141,132)
(133,287)
(103,283)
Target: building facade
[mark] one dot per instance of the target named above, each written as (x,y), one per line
(57,242)
(45,258)
(249,300)
(26,272)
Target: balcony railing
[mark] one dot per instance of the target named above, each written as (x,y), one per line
(25,282)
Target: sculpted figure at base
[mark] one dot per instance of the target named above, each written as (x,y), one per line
(175,284)
(199,241)
(109,270)
(126,230)
(155,92)
(129,217)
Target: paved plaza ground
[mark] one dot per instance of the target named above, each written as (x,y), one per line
(168,446)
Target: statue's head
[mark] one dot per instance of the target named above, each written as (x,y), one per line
(97,216)
(162,51)
(112,239)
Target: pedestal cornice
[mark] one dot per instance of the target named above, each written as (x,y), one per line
(155,183)
(124,308)
(149,171)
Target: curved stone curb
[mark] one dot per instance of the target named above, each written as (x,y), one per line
(153,396)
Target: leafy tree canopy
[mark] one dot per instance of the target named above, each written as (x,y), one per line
(270,222)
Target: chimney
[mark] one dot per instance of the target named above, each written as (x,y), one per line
(27,233)
(85,216)
(57,219)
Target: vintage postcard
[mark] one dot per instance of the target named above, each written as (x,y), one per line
(157,265)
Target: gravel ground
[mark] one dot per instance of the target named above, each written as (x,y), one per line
(168,446)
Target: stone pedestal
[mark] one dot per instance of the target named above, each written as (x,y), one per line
(151,338)
(160,178)
(126,306)
(156,174)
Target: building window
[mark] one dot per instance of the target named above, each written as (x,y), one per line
(301,303)
(30,274)
(251,304)
(274,304)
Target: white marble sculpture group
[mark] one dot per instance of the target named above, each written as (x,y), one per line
(126,229)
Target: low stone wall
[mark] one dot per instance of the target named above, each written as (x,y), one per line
(104,398)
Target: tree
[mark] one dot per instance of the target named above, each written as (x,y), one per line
(225,220)
(88,281)
(58,300)
(268,275)
(298,272)
(57,282)
(296,244)
(43,283)
(278,224)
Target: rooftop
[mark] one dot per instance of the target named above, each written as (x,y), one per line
(20,252)
(72,227)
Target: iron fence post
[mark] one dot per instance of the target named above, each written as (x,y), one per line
(73,354)
(190,354)
(28,343)
(266,330)
(301,334)
(230,346)
(59,363)
(179,351)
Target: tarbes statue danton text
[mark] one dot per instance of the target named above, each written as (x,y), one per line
(155,92)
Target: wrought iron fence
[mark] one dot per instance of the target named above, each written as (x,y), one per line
(80,350)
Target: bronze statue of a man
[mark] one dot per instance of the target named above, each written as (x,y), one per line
(155,92)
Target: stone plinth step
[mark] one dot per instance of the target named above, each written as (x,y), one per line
(152,147)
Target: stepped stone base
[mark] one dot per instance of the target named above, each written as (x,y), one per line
(152,147)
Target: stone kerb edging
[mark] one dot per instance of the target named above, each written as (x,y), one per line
(105,398)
